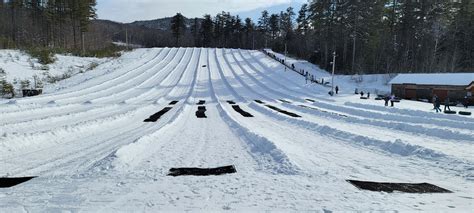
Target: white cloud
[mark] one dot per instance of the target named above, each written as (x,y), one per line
(128,11)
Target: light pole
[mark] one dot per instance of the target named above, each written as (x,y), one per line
(333,68)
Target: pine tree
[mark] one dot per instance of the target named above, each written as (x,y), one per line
(264,25)
(206,31)
(178,27)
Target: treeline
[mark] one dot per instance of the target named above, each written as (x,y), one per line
(52,24)
(368,36)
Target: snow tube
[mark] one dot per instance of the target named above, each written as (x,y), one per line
(464,113)
(450,112)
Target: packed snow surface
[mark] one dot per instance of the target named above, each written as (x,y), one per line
(86,141)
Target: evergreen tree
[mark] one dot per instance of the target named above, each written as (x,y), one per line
(207,31)
(178,27)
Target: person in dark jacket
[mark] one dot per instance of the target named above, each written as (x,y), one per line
(433,100)
(466,102)
(447,102)
(437,105)
(368,94)
(361,93)
(386,99)
(337,90)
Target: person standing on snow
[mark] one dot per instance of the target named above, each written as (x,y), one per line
(386,99)
(337,89)
(368,94)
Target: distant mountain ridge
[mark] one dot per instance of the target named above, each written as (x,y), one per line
(163,23)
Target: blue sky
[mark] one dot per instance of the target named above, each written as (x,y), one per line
(129,11)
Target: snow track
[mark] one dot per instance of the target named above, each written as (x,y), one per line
(87,142)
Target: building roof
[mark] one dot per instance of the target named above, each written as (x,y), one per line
(451,79)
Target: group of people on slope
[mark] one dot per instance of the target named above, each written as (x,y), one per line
(447,103)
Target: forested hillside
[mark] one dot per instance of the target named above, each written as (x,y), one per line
(370,36)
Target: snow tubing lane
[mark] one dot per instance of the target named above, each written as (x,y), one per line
(241,111)
(201,112)
(283,111)
(320,110)
(201,102)
(9,182)
(401,187)
(156,116)
(173,102)
(202,171)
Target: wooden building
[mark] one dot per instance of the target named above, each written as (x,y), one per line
(456,86)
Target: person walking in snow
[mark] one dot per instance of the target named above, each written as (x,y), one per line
(446,104)
(466,102)
(368,94)
(437,105)
(361,93)
(386,99)
(392,99)
(433,100)
(337,90)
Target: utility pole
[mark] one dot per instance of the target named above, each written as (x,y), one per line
(284,62)
(333,68)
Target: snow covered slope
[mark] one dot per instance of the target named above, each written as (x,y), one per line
(87,141)
(19,66)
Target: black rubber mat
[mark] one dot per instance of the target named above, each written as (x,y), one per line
(401,187)
(231,102)
(259,101)
(173,102)
(202,171)
(201,112)
(201,102)
(284,101)
(283,111)
(241,111)
(156,116)
(9,182)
